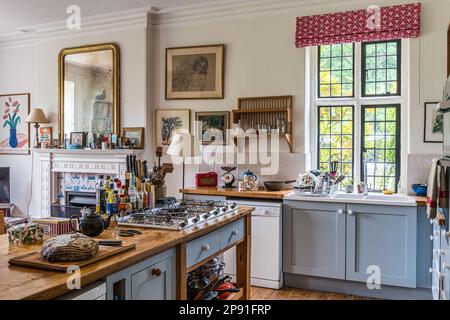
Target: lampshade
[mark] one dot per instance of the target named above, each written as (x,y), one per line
(184,145)
(37,115)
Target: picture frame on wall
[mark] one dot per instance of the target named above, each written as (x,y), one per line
(133,137)
(433,123)
(170,121)
(212,126)
(78,138)
(195,72)
(14,131)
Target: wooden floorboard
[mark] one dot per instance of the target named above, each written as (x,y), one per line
(257,293)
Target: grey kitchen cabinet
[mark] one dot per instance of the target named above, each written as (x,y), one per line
(154,282)
(424,248)
(384,237)
(151,279)
(314,239)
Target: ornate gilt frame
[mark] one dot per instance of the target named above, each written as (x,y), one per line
(116,82)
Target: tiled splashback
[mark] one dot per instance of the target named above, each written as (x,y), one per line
(419,166)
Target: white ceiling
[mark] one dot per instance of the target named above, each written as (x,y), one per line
(19,14)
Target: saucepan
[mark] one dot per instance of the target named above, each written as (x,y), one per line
(276,185)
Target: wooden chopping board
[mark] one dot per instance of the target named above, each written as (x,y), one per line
(36,261)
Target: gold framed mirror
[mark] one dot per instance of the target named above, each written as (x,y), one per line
(89,90)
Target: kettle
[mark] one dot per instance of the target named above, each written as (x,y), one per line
(91,224)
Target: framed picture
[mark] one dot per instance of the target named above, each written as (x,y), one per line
(212,126)
(133,137)
(195,72)
(78,138)
(45,134)
(434,123)
(14,131)
(170,121)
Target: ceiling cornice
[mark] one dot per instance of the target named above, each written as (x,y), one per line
(156,19)
(122,20)
(219,10)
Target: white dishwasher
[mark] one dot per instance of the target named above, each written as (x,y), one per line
(265,245)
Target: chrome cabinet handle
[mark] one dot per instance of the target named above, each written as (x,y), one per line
(206,247)
(340,211)
(350,212)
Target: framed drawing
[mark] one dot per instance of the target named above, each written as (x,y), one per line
(133,137)
(212,126)
(170,121)
(433,124)
(195,72)
(14,131)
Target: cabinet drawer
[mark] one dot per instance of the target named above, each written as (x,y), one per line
(232,233)
(153,283)
(203,247)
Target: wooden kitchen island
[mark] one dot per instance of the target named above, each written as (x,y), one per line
(182,251)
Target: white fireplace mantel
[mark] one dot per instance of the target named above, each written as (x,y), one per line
(55,161)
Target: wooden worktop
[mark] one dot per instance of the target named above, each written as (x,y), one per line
(24,283)
(233,192)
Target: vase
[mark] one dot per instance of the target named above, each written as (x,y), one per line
(13,138)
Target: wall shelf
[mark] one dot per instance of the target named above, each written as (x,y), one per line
(266,110)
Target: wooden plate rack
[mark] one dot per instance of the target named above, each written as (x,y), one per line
(266,110)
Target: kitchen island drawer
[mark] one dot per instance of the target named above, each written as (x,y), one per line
(232,233)
(201,248)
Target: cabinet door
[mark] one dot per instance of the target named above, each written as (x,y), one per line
(154,282)
(314,239)
(385,237)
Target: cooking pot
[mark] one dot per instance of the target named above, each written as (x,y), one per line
(276,185)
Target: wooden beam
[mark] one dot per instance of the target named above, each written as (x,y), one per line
(243,259)
(181,272)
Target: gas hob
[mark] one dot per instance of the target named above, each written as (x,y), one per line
(179,215)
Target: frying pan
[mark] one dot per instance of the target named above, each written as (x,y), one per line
(276,185)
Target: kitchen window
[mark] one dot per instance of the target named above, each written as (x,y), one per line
(381,68)
(336,70)
(358,117)
(336,138)
(380,145)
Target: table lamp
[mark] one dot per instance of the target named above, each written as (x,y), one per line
(36,116)
(184,145)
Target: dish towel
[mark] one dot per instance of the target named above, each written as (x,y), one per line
(437,196)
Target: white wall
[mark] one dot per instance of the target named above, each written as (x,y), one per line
(34,69)
(261,60)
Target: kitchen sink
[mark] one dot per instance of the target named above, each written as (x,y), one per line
(348,196)
(383,197)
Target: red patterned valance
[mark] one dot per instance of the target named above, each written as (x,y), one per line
(387,23)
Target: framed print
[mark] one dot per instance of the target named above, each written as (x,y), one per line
(45,134)
(14,131)
(434,123)
(195,72)
(78,138)
(170,121)
(134,137)
(212,126)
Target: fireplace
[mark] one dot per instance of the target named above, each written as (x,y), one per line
(5,196)
(74,201)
